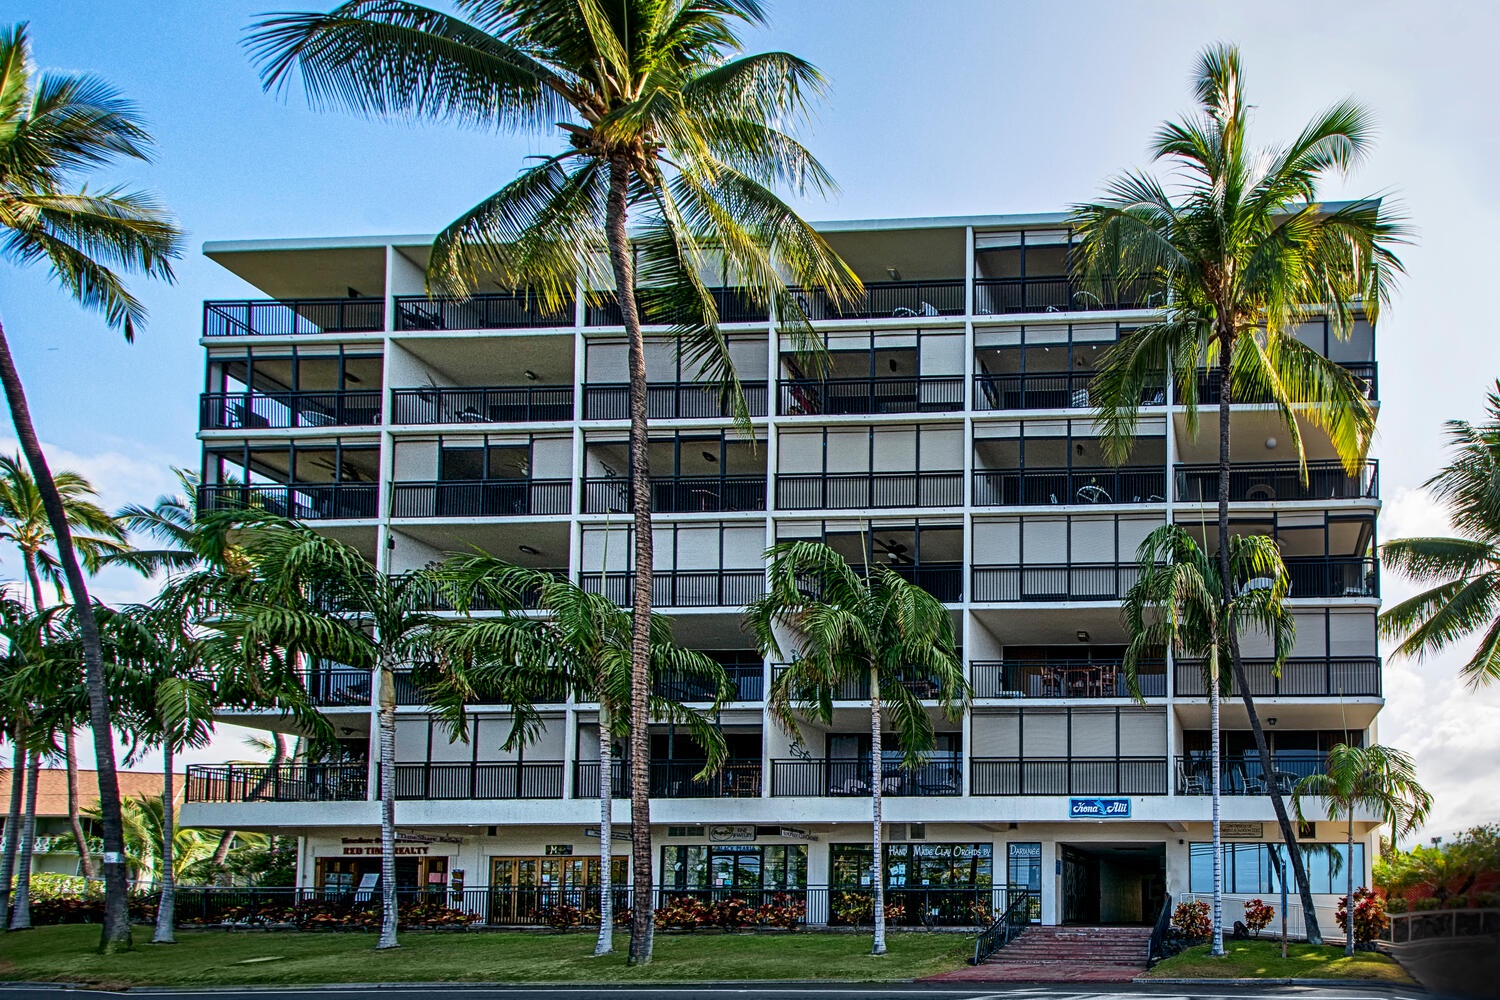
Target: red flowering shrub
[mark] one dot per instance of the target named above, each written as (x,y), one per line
(1191,920)
(1370,920)
(1258,916)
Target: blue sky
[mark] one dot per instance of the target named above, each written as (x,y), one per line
(940,108)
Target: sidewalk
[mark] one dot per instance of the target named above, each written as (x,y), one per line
(1460,967)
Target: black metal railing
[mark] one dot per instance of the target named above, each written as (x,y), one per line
(287,317)
(1015,919)
(218,411)
(677,494)
(1242,774)
(1064,678)
(334,686)
(996,296)
(409,691)
(1047,391)
(673,779)
(1266,482)
(1300,677)
(1208,383)
(276,783)
(670,401)
(298,501)
(1332,576)
(940,775)
(1066,487)
(1068,776)
(733,304)
(1053,582)
(887,300)
(858,688)
(503,404)
(682,588)
(845,491)
(493,311)
(840,396)
(505,780)
(482,498)
(746,682)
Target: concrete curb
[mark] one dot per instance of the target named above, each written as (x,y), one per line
(723,984)
(1251,981)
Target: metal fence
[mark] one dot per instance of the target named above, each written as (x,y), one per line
(670,401)
(1055,582)
(941,774)
(298,501)
(1068,776)
(677,494)
(482,498)
(505,404)
(1265,482)
(672,779)
(1083,486)
(1064,678)
(1047,391)
(846,491)
(1307,677)
(841,396)
(494,311)
(886,300)
(289,782)
(283,317)
(219,411)
(709,588)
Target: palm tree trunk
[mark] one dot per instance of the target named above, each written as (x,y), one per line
(166,909)
(20,917)
(643,922)
(1349,886)
(385,678)
(70,755)
(13,822)
(877,762)
(226,839)
(115,932)
(1217,932)
(606,942)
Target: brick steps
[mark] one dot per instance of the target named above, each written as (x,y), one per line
(1115,946)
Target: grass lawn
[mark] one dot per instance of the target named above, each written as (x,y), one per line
(266,958)
(1262,960)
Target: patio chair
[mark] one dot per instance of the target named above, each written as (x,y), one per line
(1191,784)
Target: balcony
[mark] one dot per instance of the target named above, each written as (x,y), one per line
(298,501)
(999,296)
(292,317)
(704,588)
(1363,371)
(747,683)
(283,783)
(677,494)
(337,686)
(1068,776)
(669,401)
(858,688)
(1041,487)
(733,306)
(496,311)
(1301,677)
(409,692)
(1332,576)
(940,775)
(221,411)
(1064,679)
(1243,775)
(508,780)
(1046,391)
(860,490)
(673,779)
(843,396)
(887,300)
(1054,582)
(507,404)
(482,498)
(1268,482)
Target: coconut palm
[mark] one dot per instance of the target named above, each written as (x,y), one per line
(185,538)
(582,643)
(1243,252)
(15,709)
(53,128)
(1375,778)
(857,626)
(664,126)
(1183,601)
(1464,571)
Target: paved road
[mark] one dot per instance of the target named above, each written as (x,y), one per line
(790,991)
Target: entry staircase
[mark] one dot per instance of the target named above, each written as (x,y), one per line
(1064,954)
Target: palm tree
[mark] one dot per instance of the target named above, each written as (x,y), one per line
(15,707)
(1183,600)
(185,538)
(1243,251)
(24,524)
(1377,778)
(583,643)
(1463,572)
(848,625)
(54,127)
(663,123)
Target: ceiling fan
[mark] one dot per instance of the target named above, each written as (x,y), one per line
(894,551)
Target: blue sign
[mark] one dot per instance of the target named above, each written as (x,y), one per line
(1099,808)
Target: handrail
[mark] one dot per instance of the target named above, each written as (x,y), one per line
(999,933)
(1159,932)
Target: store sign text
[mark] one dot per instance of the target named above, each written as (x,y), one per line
(401,849)
(1099,808)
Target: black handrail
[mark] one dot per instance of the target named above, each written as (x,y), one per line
(880,394)
(670,401)
(288,317)
(1068,487)
(848,491)
(1299,677)
(678,494)
(219,411)
(1159,932)
(493,311)
(500,404)
(999,934)
(1265,482)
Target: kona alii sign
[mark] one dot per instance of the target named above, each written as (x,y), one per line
(1099,808)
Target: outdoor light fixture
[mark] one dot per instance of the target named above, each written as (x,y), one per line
(531,376)
(891,364)
(529,550)
(1270,443)
(1083,635)
(1272,720)
(709,456)
(895,274)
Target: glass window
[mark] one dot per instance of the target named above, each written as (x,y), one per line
(734,866)
(916,865)
(1252,868)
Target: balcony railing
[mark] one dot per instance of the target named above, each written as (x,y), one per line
(1068,776)
(508,780)
(746,682)
(338,686)
(669,401)
(282,783)
(940,775)
(1301,677)
(482,498)
(1266,482)
(858,688)
(1055,582)
(502,311)
(219,411)
(1364,371)
(677,494)
(1332,576)
(287,317)
(1242,774)
(996,296)
(1067,487)
(1046,391)
(1064,679)
(673,779)
(298,501)
(838,396)
(507,404)
(699,588)
(887,300)
(733,305)
(855,490)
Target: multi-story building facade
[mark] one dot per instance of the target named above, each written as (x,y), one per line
(952,439)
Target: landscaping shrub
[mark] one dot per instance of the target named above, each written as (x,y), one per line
(1370,921)
(1258,916)
(857,908)
(1397,905)
(1191,920)
(1486,900)
(1427,904)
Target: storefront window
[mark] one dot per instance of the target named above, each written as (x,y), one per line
(734,866)
(1252,868)
(915,865)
